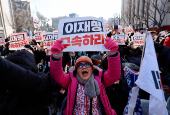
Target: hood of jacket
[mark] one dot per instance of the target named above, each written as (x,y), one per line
(24,59)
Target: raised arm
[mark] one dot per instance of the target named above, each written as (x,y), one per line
(114,70)
(57,74)
(114,67)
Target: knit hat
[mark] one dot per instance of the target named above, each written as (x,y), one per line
(84,59)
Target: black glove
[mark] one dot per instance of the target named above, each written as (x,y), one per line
(34,42)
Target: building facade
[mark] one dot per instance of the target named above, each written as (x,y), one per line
(143,14)
(55,21)
(22,16)
(6,18)
(73,15)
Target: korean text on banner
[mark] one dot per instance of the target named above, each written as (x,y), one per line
(82,34)
(129,29)
(49,39)
(39,36)
(18,41)
(120,39)
(2,41)
(138,39)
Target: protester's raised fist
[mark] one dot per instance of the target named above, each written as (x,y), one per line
(111,45)
(57,47)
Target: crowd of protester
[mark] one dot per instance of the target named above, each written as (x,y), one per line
(36,80)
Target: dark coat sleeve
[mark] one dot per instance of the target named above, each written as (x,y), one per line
(15,77)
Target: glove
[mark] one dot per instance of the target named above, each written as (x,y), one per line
(34,42)
(57,49)
(111,45)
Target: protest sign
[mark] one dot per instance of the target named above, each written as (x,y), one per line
(120,39)
(129,29)
(82,34)
(39,36)
(49,39)
(120,28)
(2,41)
(18,41)
(55,31)
(138,39)
(107,26)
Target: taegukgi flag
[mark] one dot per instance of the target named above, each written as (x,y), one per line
(149,80)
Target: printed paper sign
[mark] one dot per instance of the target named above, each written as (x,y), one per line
(129,29)
(82,34)
(18,41)
(39,36)
(49,39)
(107,26)
(138,39)
(120,39)
(120,28)
(55,31)
(2,41)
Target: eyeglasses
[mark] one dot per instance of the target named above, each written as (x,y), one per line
(80,65)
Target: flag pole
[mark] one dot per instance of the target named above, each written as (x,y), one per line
(143,52)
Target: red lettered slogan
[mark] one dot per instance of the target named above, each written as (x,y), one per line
(18,41)
(82,34)
(49,39)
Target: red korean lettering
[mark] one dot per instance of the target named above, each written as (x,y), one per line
(44,44)
(68,41)
(52,42)
(91,39)
(12,45)
(21,44)
(76,41)
(86,40)
(16,45)
(96,39)
(103,38)
(48,44)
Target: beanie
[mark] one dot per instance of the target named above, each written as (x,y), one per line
(84,59)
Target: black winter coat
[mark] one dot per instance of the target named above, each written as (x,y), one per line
(164,65)
(22,90)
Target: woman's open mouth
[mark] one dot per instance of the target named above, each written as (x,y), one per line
(84,73)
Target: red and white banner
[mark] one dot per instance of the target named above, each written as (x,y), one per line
(55,31)
(2,41)
(138,39)
(49,39)
(107,26)
(82,34)
(39,36)
(120,28)
(120,39)
(129,29)
(18,41)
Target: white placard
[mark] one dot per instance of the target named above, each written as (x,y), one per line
(82,34)
(120,39)
(2,41)
(18,41)
(49,39)
(138,39)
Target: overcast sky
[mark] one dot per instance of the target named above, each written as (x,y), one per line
(95,8)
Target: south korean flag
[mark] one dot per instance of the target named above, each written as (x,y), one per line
(149,80)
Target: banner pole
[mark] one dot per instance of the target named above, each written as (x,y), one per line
(143,52)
